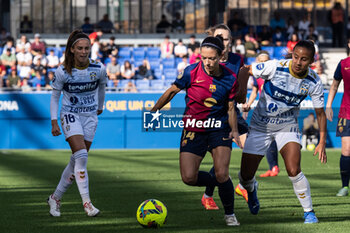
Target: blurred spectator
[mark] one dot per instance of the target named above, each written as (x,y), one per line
(87,27)
(25,85)
(236,33)
(251,32)
(292,42)
(144,70)
(113,68)
(113,80)
(23,43)
(62,59)
(110,47)
(180,49)
(236,20)
(167,48)
(303,25)
(250,46)
(26,26)
(238,47)
(195,55)
(130,87)
(182,65)
(8,59)
(127,70)
(13,81)
(178,24)
(96,50)
(42,58)
(311,34)
(163,26)
(3,36)
(48,79)
(105,24)
(337,21)
(52,60)
(265,36)
(9,45)
(290,28)
(38,45)
(95,35)
(277,21)
(278,38)
(310,131)
(38,66)
(192,45)
(2,74)
(24,62)
(37,80)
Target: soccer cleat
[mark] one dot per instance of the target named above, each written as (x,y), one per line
(310,217)
(242,192)
(343,192)
(253,201)
(54,206)
(209,203)
(266,174)
(231,220)
(91,210)
(275,170)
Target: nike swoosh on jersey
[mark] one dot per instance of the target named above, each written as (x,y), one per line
(346,68)
(225,139)
(199,81)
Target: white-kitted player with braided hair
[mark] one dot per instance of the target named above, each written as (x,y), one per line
(82,82)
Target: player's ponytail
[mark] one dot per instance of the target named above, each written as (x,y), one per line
(74,37)
(215,43)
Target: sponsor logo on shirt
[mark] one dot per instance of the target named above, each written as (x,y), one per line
(260,66)
(80,87)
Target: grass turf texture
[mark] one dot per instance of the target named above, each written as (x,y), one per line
(121,179)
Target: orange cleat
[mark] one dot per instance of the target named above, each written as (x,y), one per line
(266,174)
(275,170)
(209,203)
(242,192)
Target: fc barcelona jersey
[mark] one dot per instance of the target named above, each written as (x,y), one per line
(343,73)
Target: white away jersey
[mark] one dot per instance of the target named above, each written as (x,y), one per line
(282,94)
(80,90)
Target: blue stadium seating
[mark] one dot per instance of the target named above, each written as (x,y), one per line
(125,52)
(168,63)
(107,60)
(269,49)
(154,63)
(280,52)
(168,83)
(110,83)
(139,53)
(153,52)
(57,51)
(124,82)
(178,60)
(158,73)
(1,48)
(142,84)
(170,73)
(137,62)
(157,84)
(250,60)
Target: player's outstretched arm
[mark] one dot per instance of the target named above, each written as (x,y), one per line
(55,98)
(321,147)
(332,92)
(166,97)
(242,80)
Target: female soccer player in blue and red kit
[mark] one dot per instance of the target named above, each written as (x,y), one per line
(210,91)
(343,127)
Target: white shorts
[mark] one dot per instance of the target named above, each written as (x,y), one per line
(76,124)
(258,142)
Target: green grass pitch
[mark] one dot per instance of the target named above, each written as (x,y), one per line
(121,179)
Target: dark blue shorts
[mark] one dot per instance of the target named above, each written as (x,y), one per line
(241,125)
(343,127)
(200,142)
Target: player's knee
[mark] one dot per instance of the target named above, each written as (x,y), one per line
(221,176)
(292,172)
(189,180)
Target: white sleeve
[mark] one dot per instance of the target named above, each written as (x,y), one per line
(58,80)
(317,94)
(55,98)
(101,95)
(264,70)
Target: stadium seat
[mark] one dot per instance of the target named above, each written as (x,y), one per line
(154,63)
(1,48)
(142,85)
(168,63)
(125,52)
(178,60)
(157,84)
(153,52)
(157,73)
(269,49)
(107,60)
(250,60)
(170,73)
(124,82)
(137,62)
(280,52)
(139,53)
(122,60)
(110,83)
(168,83)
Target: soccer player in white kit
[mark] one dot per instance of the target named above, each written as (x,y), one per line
(287,84)
(82,82)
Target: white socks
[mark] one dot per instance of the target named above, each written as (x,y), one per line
(67,179)
(81,175)
(302,190)
(247,184)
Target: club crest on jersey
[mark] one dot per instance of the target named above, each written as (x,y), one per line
(304,89)
(212,87)
(181,74)
(93,75)
(260,66)
(184,142)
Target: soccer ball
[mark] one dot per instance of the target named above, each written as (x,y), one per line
(151,213)
(310,147)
